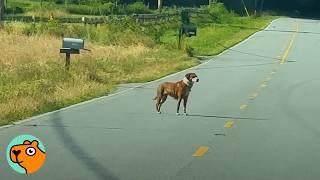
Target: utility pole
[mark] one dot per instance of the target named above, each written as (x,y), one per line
(1,11)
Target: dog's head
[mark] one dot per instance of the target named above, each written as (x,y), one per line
(192,77)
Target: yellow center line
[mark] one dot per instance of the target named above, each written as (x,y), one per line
(254,95)
(229,124)
(243,106)
(263,85)
(286,53)
(269,78)
(202,150)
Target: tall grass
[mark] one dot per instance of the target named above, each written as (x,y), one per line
(113,33)
(33,79)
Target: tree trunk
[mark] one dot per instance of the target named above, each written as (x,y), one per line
(160,5)
(261,7)
(1,11)
(245,8)
(255,7)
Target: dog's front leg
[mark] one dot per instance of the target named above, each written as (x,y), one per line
(185,100)
(178,106)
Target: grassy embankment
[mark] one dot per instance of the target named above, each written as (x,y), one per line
(32,75)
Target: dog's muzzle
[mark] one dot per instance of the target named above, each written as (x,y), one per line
(195,80)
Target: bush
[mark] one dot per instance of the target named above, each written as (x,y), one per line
(189,50)
(219,13)
(59,1)
(30,30)
(51,28)
(14,10)
(137,8)
(79,9)
(97,9)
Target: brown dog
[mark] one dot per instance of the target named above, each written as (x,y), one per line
(178,90)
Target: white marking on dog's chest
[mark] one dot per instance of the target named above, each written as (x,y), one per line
(187,82)
(189,86)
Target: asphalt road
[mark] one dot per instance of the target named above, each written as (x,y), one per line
(253,116)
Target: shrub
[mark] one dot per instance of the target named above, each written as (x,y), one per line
(137,8)
(189,50)
(59,1)
(14,10)
(219,13)
(79,9)
(97,9)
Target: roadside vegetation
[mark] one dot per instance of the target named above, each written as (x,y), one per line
(32,75)
(63,8)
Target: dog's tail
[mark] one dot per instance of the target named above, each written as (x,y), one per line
(159,92)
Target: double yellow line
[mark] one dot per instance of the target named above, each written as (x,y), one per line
(284,57)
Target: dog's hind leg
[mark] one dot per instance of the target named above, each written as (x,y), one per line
(163,99)
(158,104)
(158,98)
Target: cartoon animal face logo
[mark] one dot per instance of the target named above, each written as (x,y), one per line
(28,156)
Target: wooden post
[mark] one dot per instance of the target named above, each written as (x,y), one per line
(67,61)
(179,38)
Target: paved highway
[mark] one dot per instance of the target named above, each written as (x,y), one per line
(254,115)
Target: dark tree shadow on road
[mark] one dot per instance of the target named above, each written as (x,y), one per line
(69,142)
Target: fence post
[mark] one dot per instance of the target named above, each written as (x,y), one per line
(179,38)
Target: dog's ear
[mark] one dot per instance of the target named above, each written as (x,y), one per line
(188,76)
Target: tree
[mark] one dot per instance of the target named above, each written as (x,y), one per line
(159,5)
(1,10)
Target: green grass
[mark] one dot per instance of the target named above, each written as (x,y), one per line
(30,7)
(211,36)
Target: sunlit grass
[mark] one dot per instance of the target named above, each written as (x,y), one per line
(33,79)
(210,37)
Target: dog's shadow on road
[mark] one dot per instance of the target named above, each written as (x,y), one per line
(227,117)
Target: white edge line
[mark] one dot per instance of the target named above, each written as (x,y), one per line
(124,91)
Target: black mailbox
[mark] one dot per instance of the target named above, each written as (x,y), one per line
(189,30)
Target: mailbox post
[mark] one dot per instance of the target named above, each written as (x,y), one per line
(71,46)
(187,28)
